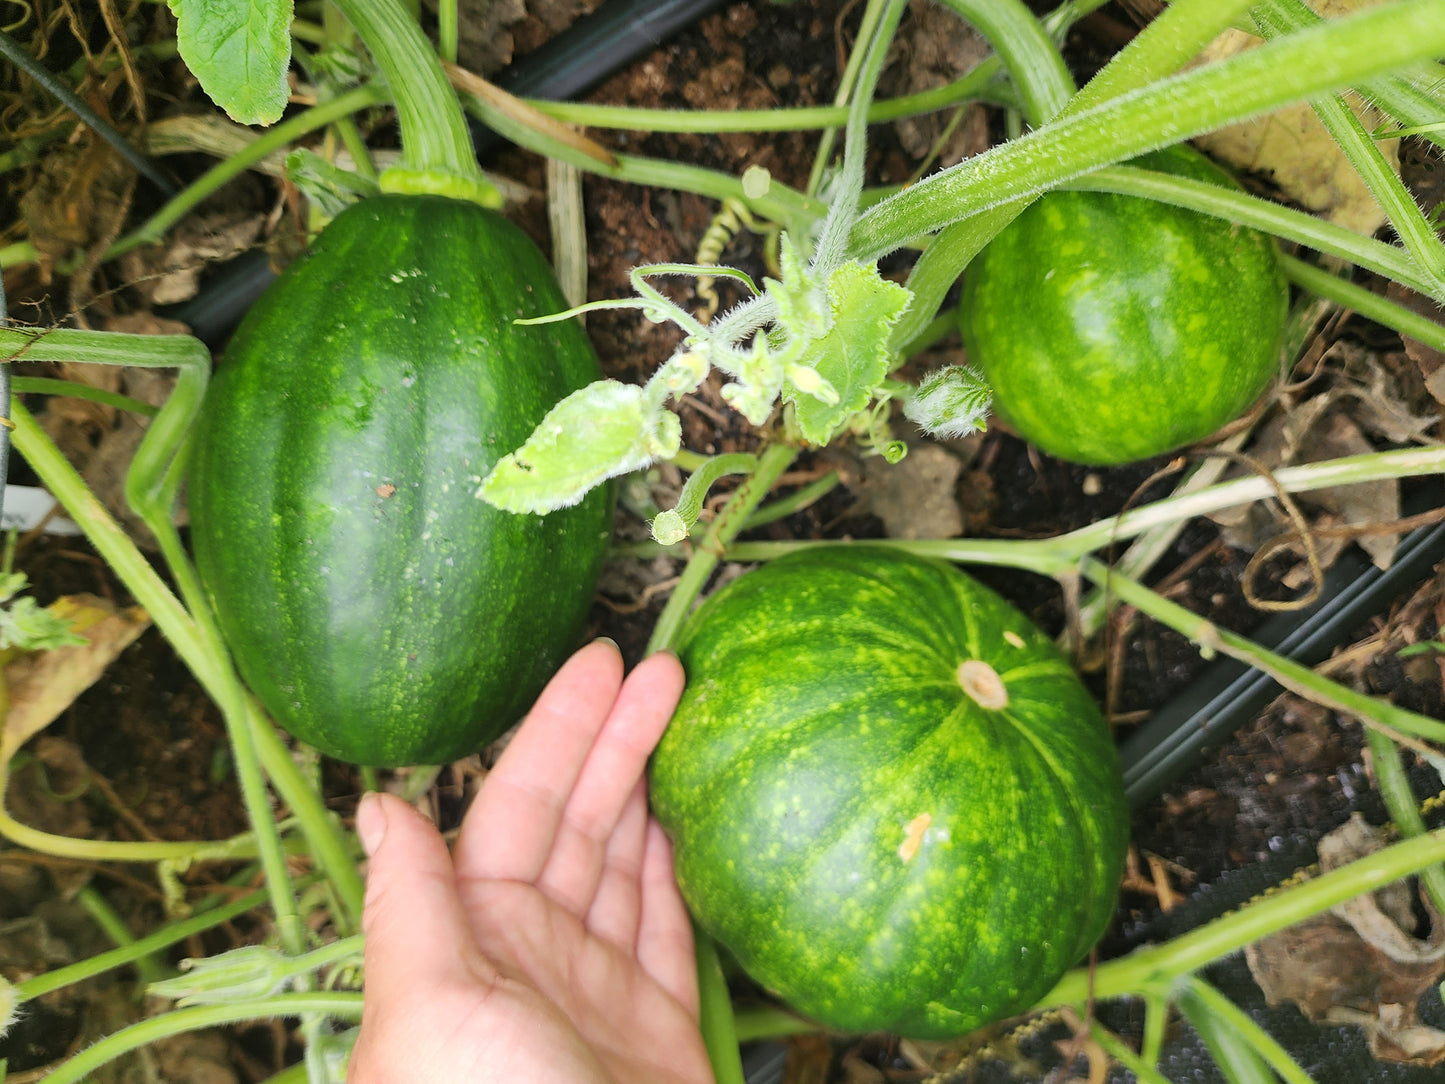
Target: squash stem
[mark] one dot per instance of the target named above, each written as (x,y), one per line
(719,1031)
(437,153)
(1052,556)
(154,228)
(151,486)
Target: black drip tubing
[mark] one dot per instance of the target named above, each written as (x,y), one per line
(1229,693)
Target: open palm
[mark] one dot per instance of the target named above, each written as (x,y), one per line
(553,945)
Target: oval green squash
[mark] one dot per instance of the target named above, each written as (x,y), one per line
(376,606)
(1114,328)
(889,795)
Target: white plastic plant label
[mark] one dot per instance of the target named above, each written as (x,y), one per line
(26,508)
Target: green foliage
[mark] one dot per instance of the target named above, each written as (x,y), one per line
(239,50)
(27,626)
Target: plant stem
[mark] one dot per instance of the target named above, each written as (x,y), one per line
(1312,61)
(44,385)
(1159,967)
(719,1033)
(437,155)
(150,968)
(1394,786)
(772,461)
(1231,1049)
(781,204)
(151,485)
(769,1022)
(1411,97)
(1172,39)
(683,516)
(872,47)
(1120,1052)
(847,83)
(1033,62)
(1366,302)
(333,849)
(716,1010)
(1247,210)
(794,502)
(345,1006)
(167,935)
(1242,1024)
(981,83)
(1055,556)
(1293,676)
(1344,127)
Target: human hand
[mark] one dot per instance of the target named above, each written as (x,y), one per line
(553,944)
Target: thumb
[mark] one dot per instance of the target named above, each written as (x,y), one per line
(417,934)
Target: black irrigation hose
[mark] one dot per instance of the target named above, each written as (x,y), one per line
(599,44)
(1229,693)
(18,55)
(589,51)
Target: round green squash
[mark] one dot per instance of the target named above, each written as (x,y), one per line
(889,795)
(1115,328)
(378,608)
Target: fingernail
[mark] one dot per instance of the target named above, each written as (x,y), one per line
(608,640)
(370,822)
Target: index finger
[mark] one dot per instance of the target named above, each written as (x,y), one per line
(508,832)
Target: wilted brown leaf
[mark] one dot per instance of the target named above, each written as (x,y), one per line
(44,683)
(1361,963)
(1292,147)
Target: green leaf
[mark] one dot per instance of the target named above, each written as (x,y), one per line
(852,358)
(239,50)
(30,627)
(1423,647)
(599,432)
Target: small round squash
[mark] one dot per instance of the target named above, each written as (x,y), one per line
(1114,328)
(890,796)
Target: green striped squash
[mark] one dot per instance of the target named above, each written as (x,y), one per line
(890,797)
(377,607)
(1115,328)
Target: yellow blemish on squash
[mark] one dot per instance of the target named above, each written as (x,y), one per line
(1013,639)
(913,836)
(982,684)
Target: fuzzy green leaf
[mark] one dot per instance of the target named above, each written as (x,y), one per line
(601,431)
(852,358)
(239,50)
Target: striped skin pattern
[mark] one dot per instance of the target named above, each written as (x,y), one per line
(866,839)
(1115,328)
(375,605)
